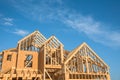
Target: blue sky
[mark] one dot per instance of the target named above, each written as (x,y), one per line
(95,22)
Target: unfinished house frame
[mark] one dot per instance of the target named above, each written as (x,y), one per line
(38,58)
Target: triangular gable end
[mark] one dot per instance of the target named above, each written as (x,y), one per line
(53,42)
(78,57)
(33,40)
(84,45)
(33,33)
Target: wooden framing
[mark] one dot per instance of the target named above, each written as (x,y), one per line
(84,63)
(38,58)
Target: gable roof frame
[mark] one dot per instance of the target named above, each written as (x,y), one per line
(35,32)
(71,54)
(52,37)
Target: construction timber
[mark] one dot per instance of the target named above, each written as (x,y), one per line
(38,58)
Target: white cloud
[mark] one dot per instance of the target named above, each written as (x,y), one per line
(20,32)
(44,10)
(93,29)
(41,9)
(6,21)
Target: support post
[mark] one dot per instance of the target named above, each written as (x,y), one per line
(61,49)
(44,61)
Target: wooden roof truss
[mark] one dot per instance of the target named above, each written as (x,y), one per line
(83,61)
(32,42)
